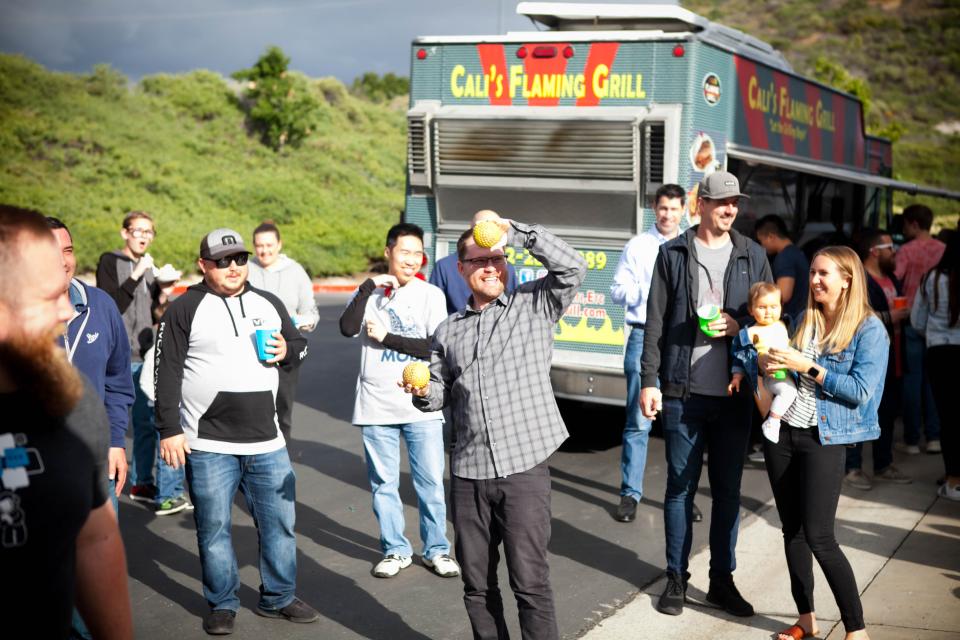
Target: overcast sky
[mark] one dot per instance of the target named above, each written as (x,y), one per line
(343,38)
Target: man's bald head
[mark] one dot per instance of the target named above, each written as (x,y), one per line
(18,227)
(485,214)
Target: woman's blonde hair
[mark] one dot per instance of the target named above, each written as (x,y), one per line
(852,307)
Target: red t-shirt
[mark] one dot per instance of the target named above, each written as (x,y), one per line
(914,259)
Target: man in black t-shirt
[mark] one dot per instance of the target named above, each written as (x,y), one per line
(791,269)
(58,533)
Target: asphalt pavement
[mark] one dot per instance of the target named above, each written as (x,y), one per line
(601,570)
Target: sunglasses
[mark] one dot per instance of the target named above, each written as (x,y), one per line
(224,262)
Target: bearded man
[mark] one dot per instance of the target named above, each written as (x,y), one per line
(58,532)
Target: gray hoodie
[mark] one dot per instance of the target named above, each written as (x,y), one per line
(287,280)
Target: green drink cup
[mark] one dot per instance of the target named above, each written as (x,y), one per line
(779,374)
(707,314)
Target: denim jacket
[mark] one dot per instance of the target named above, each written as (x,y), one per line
(848,399)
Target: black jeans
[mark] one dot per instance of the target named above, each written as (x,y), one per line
(286,395)
(941,367)
(516,511)
(806,476)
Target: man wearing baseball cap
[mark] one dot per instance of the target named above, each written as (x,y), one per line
(707,265)
(216,413)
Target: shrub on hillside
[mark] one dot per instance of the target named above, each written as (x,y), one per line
(203,95)
(280,104)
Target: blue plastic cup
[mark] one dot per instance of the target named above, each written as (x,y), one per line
(262,336)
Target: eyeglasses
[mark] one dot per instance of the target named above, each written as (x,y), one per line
(142,233)
(885,245)
(224,262)
(481,263)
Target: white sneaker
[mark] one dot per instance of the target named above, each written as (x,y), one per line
(909,449)
(391,565)
(933,446)
(948,492)
(443,565)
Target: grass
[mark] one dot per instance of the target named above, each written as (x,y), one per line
(90,148)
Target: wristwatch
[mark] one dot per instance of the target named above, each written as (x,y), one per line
(813,372)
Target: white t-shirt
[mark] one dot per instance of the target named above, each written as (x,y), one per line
(413,311)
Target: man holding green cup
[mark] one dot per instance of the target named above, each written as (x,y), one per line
(698,299)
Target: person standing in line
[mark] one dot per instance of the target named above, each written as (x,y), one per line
(877,253)
(839,356)
(216,413)
(791,270)
(126,275)
(60,544)
(273,271)
(631,284)
(95,342)
(708,267)
(491,365)
(936,316)
(409,309)
(915,258)
(447,278)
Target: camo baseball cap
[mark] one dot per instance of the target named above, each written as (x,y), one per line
(220,243)
(720,186)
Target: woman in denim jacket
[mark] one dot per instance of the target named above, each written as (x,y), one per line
(840,362)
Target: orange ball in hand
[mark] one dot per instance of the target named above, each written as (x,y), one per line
(416,374)
(487,233)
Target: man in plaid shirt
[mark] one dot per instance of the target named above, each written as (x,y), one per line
(491,363)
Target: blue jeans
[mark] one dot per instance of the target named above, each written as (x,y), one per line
(146,448)
(269,486)
(636,432)
(425,449)
(919,409)
(721,425)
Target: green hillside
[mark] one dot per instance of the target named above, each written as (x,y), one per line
(907,52)
(90,148)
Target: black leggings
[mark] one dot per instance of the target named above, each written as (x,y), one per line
(941,367)
(806,477)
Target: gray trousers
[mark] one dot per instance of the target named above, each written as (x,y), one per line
(515,511)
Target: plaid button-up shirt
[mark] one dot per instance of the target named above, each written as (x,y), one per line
(493,366)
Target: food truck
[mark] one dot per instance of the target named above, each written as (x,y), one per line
(576,124)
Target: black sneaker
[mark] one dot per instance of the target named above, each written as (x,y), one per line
(627,510)
(671,601)
(296,611)
(724,594)
(219,622)
(695,514)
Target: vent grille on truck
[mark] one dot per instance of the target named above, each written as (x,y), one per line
(653,149)
(592,150)
(418,156)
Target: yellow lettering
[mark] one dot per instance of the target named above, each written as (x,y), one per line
(640,92)
(600,75)
(516,79)
(536,91)
(753,93)
(551,86)
(615,85)
(580,85)
(784,102)
(458,72)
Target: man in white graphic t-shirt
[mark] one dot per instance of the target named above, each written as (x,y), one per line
(395,314)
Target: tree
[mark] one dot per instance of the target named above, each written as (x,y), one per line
(279,103)
(380,89)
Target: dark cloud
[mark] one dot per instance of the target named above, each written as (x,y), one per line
(343,38)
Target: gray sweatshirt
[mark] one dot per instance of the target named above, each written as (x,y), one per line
(287,280)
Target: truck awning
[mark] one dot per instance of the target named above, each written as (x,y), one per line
(837,173)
